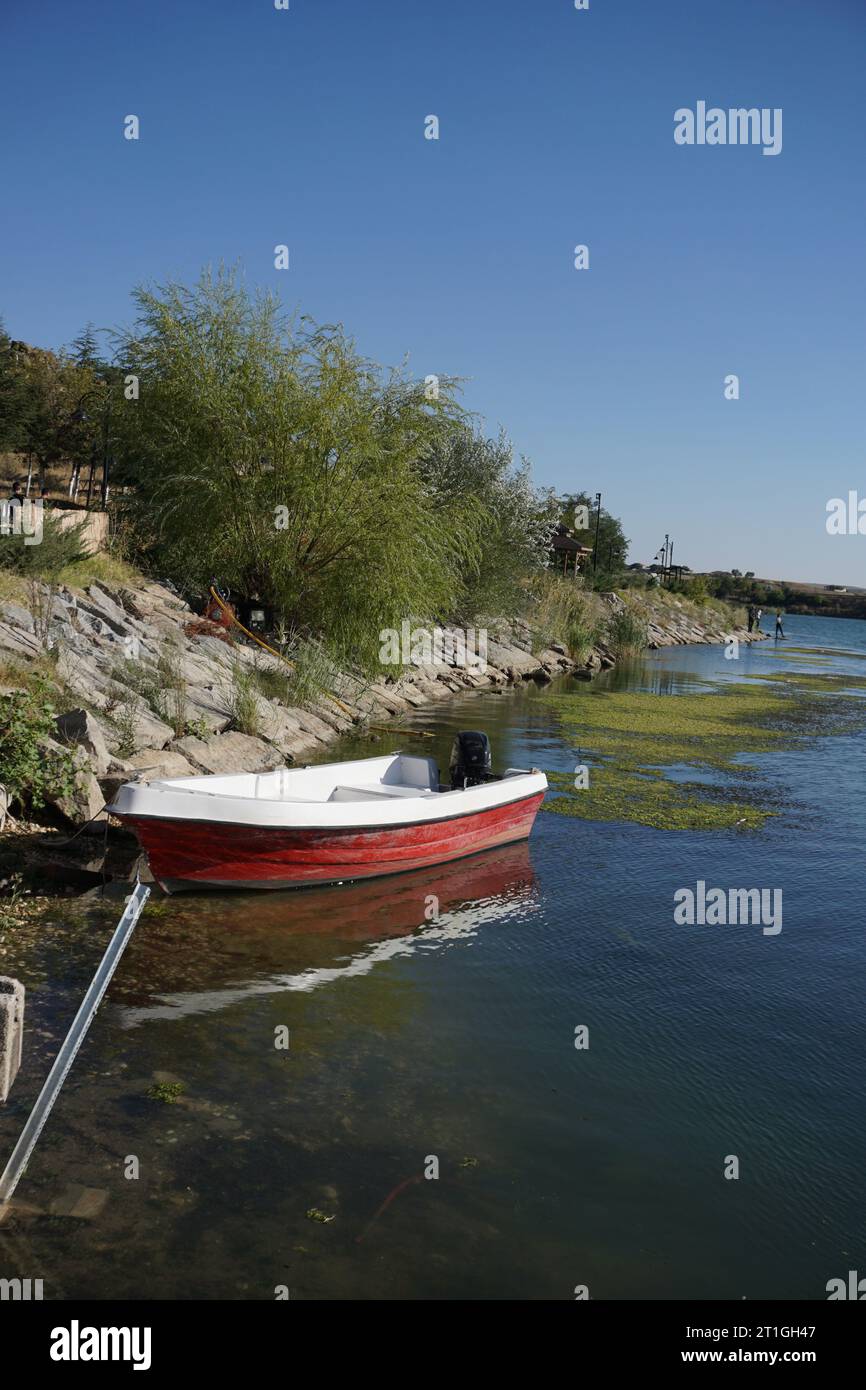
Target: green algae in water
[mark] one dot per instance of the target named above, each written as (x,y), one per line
(663,805)
(166,1092)
(827,683)
(629,738)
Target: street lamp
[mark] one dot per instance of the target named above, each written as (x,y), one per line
(597,524)
(79,415)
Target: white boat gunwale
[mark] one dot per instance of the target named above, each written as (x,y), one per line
(242,799)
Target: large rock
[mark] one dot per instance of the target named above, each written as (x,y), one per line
(388,699)
(232,752)
(147,766)
(79,726)
(516,662)
(151,763)
(16,615)
(15,639)
(205,705)
(85,677)
(281,729)
(317,724)
(85,800)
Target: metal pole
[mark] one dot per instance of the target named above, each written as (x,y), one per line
(90,477)
(71,1043)
(597,524)
(105,460)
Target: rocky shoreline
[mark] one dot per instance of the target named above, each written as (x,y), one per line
(107,644)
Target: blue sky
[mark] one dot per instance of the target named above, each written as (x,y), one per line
(306,127)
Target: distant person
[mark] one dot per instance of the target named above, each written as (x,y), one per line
(16,497)
(758,616)
(779,631)
(751,617)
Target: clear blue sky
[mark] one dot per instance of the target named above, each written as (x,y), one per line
(306,127)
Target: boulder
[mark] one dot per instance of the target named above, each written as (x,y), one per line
(320,723)
(511,659)
(151,763)
(21,643)
(146,766)
(79,726)
(231,752)
(279,728)
(203,704)
(16,615)
(390,701)
(86,800)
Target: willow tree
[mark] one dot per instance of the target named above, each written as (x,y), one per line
(273,456)
(514,519)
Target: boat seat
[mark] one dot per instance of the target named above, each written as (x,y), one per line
(375,790)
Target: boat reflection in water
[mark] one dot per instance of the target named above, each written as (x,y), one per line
(247,945)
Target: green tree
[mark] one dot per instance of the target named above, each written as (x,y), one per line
(276,458)
(478,478)
(60,408)
(579,513)
(15,399)
(85,348)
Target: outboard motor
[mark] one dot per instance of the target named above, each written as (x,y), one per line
(470,760)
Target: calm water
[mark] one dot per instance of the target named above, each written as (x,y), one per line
(455,1039)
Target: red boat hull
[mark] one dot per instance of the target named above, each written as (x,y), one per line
(188,854)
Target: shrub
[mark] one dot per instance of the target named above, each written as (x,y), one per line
(29,775)
(627,633)
(241,700)
(696,590)
(125,721)
(172,696)
(313,672)
(563,611)
(57,549)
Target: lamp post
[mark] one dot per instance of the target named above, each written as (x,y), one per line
(79,414)
(597,524)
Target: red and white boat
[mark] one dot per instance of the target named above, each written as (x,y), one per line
(333,823)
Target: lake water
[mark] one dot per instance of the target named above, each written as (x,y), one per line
(454,1040)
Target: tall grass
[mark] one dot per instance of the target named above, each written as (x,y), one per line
(627,633)
(242,701)
(563,611)
(310,672)
(162,688)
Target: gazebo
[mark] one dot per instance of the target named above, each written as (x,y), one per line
(566,549)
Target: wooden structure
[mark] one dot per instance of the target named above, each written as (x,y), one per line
(565,549)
